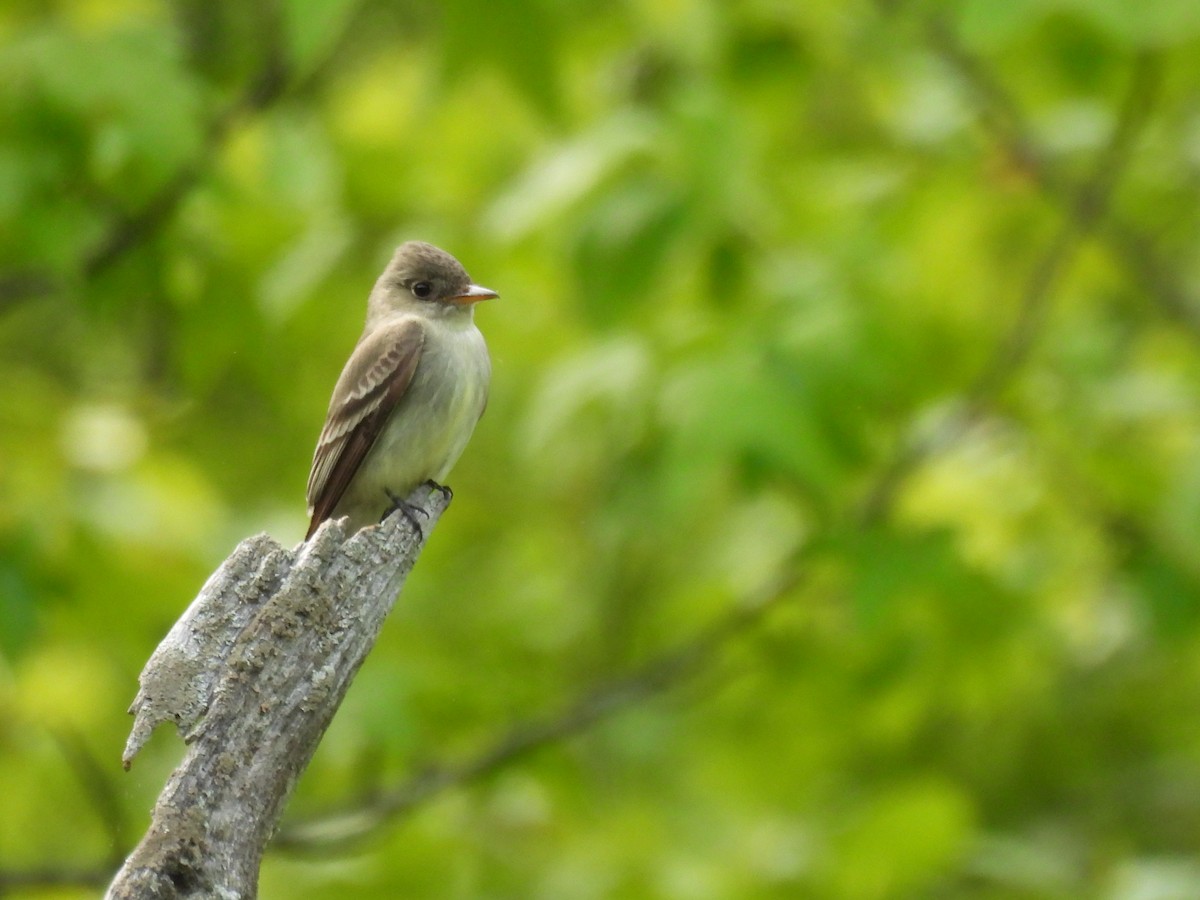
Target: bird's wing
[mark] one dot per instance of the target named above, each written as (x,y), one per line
(375,379)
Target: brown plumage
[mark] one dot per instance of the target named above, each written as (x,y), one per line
(408,398)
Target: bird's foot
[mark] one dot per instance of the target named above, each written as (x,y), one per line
(442,489)
(408,510)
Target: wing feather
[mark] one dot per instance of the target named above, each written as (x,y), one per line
(375,379)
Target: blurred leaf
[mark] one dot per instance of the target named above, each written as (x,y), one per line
(312,28)
(905,839)
(623,247)
(520,39)
(1150,23)
(730,407)
(19,597)
(985,23)
(1171,591)
(141,136)
(567,174)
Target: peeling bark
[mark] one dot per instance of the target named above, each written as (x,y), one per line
(252,674)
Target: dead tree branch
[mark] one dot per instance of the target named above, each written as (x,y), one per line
(252,675)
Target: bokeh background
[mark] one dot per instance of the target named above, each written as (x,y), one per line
(834,526)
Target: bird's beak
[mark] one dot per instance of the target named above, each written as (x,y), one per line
(473,294)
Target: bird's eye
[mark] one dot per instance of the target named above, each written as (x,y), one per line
(422,289)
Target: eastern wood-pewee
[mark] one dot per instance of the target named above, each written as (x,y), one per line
(410,394)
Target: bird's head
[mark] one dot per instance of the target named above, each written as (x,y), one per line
(427,280)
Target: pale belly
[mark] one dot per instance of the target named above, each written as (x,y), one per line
(429,430)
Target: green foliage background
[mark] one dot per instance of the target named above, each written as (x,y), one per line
(841,476)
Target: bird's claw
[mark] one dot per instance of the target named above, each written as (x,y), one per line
(408,510)
(443,489)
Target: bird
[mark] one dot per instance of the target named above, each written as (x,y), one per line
(410,395)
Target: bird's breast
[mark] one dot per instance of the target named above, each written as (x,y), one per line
(430,427)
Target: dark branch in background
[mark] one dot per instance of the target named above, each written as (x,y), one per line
(335,832)
(101,791)
(103,795)
(26,284)
(1085,210)
(265,88)
(1002,116)
(127,231)
(1086,207)
(1139,256)
(54,877)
